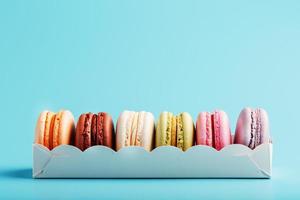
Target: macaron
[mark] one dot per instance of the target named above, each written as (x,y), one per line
(252,128)
(175,130)
(135,129)
(213,129)
(53,129)
(94,129)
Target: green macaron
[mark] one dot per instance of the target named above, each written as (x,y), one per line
(175,130)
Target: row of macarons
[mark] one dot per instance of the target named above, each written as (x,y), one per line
(139,129)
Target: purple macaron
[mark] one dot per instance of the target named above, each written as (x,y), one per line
(252,128)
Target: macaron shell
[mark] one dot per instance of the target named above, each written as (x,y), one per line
(48,135)
(243,127)
(204,135)
(140,126)
(146,130)
(108,129)
(64,132)
(265,128)
(164,129)
(123,132)
(222,133)
(83,131)
(67,129)
(40,128)
(188,129)
(129,128)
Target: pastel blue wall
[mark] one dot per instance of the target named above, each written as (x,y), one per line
(149,55)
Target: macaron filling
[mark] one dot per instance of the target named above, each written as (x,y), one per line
(255,130)
(55,136)
(168,136)
(173,131)
(134,129)
(213,129)
(215,119)
(208,129)
(180,132)
(140,126)
(100,130)
(86,134)
(258,128)
(50,133)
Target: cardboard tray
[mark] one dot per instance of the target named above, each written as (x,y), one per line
(233,161)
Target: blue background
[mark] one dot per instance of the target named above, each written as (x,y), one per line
(148,55)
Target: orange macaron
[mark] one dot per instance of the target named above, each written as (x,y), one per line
(53,129)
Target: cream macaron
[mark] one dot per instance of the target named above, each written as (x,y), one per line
(135,129)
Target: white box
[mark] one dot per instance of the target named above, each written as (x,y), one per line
(233,161)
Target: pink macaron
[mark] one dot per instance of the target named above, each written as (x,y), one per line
(252,128)
(213,129)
